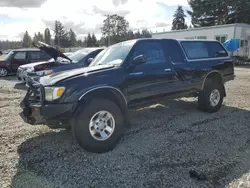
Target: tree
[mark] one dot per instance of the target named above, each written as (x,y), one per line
(60,34)
(89,40)
(239,12)
(6,44)
(35,38)
(40,36)
(26,40)
(130,35)
(137,34)
(179,19)
(146,34)
(72,38)
(210,12)
(117,26)
(94,40)
(47,36)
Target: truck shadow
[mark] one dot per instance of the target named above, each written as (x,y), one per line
(20,86)
(164,142)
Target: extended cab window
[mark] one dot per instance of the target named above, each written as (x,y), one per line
(215,49)
(173,51)
(152,51)
(20,55)
(195,49)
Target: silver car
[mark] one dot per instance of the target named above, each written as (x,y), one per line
(22,70)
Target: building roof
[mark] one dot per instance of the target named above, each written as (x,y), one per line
(202,28)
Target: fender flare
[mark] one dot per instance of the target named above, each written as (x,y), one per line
(205,78)
(104,87)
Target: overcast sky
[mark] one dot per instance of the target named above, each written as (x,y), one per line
(83,16)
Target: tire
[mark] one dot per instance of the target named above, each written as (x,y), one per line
(81,127)
(4,72)
(204,102)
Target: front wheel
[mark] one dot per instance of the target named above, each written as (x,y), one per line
(99,126)
(211,97)
(4,72)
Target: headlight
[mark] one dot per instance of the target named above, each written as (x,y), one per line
(29,69)
(44,73)
(53,93)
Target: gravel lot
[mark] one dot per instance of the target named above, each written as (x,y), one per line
(165,142)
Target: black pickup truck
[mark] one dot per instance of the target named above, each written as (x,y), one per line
(94,101)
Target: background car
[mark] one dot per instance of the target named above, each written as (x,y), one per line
(21,70)
(78,59)
(18,57)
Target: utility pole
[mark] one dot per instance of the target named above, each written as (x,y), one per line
(108,31)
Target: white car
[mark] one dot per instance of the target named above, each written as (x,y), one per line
(22,70)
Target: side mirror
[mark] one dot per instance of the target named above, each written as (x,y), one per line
(89,60)
(138,60)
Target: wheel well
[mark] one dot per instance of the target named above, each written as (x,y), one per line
(110,94)
(214,77)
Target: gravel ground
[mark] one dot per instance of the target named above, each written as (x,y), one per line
(165,142)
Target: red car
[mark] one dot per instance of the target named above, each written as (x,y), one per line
(18,57)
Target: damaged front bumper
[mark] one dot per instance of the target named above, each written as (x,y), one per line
(36,111)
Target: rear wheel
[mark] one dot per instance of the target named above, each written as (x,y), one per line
(211,97)
(99,126)
(4,72)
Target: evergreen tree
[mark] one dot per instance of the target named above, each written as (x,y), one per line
(130,35)
(47,36)
(179,19)
(213,12)
(94,40)
(40,36)
(72,38)
(137,35)
(35,38)
(26,40)
(60,34)
(146,34)
(89,40)
(239,12)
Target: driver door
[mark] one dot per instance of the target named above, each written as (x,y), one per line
(151,78)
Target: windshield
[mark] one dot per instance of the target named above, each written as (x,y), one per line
(113,55)
(8,55)
(79,55)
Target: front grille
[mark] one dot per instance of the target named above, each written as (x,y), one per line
(31,74)
(34,95)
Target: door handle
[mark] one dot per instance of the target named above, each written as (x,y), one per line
(136,73)
(167,70)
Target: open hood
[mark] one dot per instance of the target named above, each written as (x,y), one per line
(54,53)
(33,64)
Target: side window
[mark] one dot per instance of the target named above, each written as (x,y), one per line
(44,55)
(174,51)
(20,55)
(34,55)
(152,51)
(195,49)
(216,50)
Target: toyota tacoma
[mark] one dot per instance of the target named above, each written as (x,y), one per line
(94,101)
